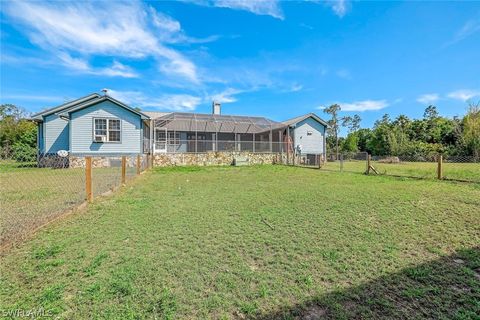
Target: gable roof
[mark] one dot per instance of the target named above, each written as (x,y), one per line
(41,114)
(296,120)
(99,99)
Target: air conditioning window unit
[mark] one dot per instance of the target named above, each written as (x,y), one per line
(100,138)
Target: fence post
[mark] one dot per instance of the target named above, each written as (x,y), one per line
(369,157)
(124,169)
(439,167)
(88,178)
(138,164)
(341,162)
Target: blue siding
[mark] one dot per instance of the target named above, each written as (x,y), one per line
(313,143)
(40,137)
(81,135)
(56,134)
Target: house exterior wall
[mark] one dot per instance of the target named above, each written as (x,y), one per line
(56,134)
(313,143)
(40,137)
(81,133)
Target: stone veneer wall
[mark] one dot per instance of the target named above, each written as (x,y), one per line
(102,161)
(213,158)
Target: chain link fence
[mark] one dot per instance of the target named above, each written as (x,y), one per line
(462,168)
(346,162)
(307,160)
(456,168)
(33,193)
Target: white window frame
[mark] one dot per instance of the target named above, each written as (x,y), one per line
(107,135)
(175,140)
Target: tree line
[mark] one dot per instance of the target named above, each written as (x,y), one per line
(403,136)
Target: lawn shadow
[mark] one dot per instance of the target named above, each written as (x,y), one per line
(447,288)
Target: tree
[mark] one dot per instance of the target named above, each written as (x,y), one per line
(355,124)
(364,135)
(379,142)
(347,122)
(471,129)
(430,113)
(350,143)
(403,122)
(18,135)
(352,123)
(333,124)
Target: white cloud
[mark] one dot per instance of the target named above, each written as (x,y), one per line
(166,102)
(344,74)
(164,22)
(428,98)
(464,94)
(339,7)
(170,30)
(226,96)
(259,7)
(469,28)
(110,28)
(175,102)
(296,87)
(116,70)
(364,105)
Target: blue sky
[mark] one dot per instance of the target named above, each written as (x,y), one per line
(278,59)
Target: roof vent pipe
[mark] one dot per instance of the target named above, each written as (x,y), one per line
(216,107)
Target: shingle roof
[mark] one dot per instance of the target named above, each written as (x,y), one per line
(100,99)
(39,115)
(305,116)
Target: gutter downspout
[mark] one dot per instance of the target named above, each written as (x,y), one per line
(151,137)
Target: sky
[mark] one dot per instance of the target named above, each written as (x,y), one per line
(278,59)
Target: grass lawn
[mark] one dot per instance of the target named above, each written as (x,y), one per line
(30,196)
(454,171)
(262,242)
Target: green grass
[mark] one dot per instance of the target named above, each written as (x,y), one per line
(196,243)
(30,196)
(428,170)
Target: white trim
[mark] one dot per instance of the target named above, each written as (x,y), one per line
(107,129)
(163,150)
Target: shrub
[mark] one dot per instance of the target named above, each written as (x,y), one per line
(22,152)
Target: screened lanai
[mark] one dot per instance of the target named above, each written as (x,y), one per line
(192,132)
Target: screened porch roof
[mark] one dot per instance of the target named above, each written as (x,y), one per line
(181,121)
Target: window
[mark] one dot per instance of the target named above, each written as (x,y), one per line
(174,138)
(107,130)
(114,130)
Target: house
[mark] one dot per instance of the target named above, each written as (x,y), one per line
(99,125)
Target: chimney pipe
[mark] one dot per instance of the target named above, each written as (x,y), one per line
(216,108)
